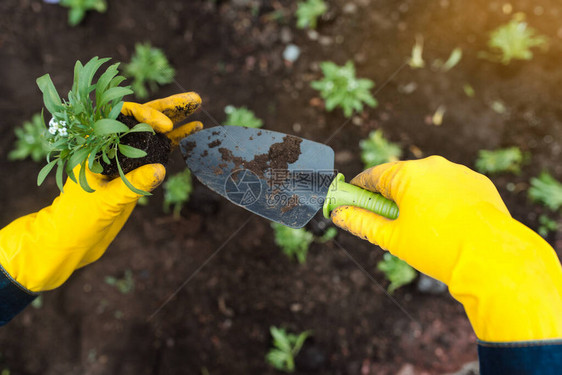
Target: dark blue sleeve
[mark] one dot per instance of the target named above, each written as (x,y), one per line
(543,357)
(13,297)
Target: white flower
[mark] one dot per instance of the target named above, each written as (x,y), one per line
(63,132)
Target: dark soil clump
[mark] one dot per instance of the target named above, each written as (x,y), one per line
(157,146)
(276,160)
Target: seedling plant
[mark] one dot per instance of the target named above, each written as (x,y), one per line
(177,190)
(308,13)
(125,285)
(32,140)
(546,190)
(293,242)
(150,67)
(397,271)
(377,150)
(86,132)
(286,346)
(78,9)
(514,41)
(241,116)
(547,225)
(501,160)
(340,88)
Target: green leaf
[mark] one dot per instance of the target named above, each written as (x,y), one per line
(131,152)
(127,183)
(280,339)
(112,94)
(77,69)
(142,127)
(44,172)
(75,15)
(96,167)
(59,175)
(78,157)
(87,75)
(115,111)
(108,126)
(83,180)
(105,157)
(51,97)
(104,80)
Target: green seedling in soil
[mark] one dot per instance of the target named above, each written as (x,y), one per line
(546,190)
(149,66)
(329,235)
(125,285)
(87,133)
(498,161)
(397,271)
(37,303)
(437,118)
(78,9)
(177,190)
(453,60)
(308,13)
(514,41)
(293,242)
(286,346)
(547,225)
(416,60)
(468,90)
(377,150)
(340,88)
(241,116)
(32,140)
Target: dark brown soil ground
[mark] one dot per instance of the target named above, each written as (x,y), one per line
(207,287)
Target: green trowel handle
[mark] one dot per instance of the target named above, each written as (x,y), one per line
(341,193)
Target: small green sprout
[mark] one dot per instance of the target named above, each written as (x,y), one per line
(468,90)
(125,285)
(293,242)
(286,346)
(149,66)
(453,60)
(329,235)
(176,191)
(340,88)
(513,41)
(437,118)
(416,60)
(546,190)
(308,12)
(241,116)
(498,161)
(37,303)
(547,225)
(397,271)
(377,150)
(32,140)
(83,132)
(78,9)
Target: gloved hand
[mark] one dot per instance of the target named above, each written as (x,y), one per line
(454,226)
(41,250)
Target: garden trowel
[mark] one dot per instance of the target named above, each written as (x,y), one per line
(281,177)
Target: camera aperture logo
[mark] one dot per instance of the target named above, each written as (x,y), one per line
(243,187)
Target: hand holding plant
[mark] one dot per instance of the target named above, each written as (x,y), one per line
(88,133)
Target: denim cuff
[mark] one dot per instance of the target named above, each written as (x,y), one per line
(541,357)
(13,297)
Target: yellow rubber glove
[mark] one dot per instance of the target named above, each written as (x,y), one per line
(454,226)
(41,250)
